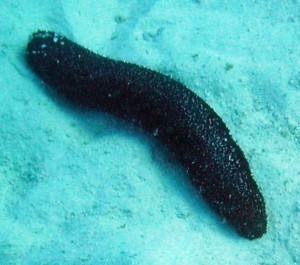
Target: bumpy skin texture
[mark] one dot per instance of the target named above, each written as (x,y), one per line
(176,116)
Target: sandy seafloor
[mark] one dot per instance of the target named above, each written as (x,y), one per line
(86,188)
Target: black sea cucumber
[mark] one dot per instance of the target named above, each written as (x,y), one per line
(176,116)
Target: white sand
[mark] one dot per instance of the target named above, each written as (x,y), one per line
(87,188)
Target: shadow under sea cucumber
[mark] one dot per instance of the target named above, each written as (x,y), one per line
(175,115)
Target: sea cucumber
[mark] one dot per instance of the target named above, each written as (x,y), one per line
(176,116)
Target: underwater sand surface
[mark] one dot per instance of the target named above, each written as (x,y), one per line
(87,188)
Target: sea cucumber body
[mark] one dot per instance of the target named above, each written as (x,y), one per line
(175,115)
